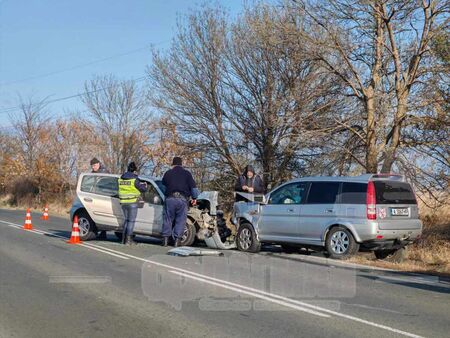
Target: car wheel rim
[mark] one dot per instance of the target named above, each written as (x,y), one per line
(185,234)
(340,242)
(245,239)
(84,226)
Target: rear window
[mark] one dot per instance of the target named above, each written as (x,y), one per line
(354,193)
(323,193)
(390,192)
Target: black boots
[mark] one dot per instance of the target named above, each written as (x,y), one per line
(130,240)
(165,241)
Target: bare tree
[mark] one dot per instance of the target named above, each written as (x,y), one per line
(380,50)
(120,118)
(242,92)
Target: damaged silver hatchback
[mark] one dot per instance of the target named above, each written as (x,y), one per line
(98,209)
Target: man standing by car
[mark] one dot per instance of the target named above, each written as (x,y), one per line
(249,182)
(98,168)
(130,188)
(180,186)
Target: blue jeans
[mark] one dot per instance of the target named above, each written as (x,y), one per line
(175,209)
(129,214)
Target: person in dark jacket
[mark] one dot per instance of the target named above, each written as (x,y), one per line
(180,186)
(249,182)
(130,189)
(97,167)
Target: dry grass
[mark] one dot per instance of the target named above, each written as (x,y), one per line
(57,209)
(429,255)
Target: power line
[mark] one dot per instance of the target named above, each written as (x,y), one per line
(82,65)
(11,109)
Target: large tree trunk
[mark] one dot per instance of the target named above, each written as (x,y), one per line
(371,138)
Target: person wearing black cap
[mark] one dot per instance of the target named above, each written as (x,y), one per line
(180,186)
(249,182)
(130,189)
(97,167)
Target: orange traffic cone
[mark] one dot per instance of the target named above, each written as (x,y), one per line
(28,225)
(75,237)
(45,214)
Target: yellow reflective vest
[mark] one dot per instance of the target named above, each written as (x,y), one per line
(128,193)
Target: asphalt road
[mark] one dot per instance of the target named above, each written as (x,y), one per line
(102,289)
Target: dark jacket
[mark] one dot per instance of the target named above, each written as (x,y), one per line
(179,180)
(138,184)
(101,170)
(255,182)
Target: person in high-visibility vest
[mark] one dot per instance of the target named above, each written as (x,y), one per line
(130,189)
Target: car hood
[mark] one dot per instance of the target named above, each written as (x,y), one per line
(212,197)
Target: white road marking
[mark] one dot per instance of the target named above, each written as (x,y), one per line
(253,294)
(41,232)
(228,285)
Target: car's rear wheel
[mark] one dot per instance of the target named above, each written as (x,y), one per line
(87,227)
(188,237)
(391,255)
(246,239)
(340,243)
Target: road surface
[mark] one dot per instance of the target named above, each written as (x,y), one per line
(49,288)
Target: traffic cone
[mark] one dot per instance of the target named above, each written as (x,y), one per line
(45,214)
(28,225)
(75,237)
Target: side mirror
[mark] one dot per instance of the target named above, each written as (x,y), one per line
(157,200)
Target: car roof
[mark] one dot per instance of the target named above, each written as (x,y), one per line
(143,177)
(365,178)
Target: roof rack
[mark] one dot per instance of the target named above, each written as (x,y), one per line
(391,176)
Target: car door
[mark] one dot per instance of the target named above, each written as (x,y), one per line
(99,195)
(279,219)
(150,217)
(319,210)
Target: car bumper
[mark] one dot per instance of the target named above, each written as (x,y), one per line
(385,244)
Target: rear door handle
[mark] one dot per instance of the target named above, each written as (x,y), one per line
(329,211)
(290,210)
(86,199)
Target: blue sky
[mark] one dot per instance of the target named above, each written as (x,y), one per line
(38,37)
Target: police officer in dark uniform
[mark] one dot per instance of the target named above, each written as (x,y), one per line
(180,186)
(130,188)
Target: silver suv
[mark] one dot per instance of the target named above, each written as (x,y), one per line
(341,214)
(98,208)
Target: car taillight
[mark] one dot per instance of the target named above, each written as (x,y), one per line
(371,202)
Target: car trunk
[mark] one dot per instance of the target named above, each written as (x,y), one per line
(396,206)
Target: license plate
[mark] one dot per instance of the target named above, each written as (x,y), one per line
(400,212)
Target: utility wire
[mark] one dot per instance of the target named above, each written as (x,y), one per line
(12,109)
(83,65)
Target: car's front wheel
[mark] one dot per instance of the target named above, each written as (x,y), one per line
(246,239)
(392,255)
(87,227)
(340,243)
(188,237)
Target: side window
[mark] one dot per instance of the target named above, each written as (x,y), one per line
(87,184)
(107,186)
(289,194)
(151,195)
(353,193)
(323,193)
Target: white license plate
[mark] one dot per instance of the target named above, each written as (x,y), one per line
(400,212)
